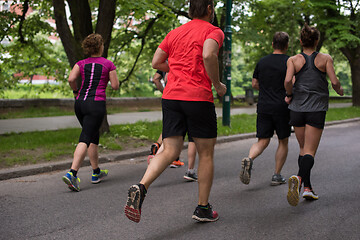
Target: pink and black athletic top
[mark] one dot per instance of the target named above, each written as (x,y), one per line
(95,77)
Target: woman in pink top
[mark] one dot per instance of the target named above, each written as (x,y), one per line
(90,106)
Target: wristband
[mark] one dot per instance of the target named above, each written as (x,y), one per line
(289,95)
(75,91)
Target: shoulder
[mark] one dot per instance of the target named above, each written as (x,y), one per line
(324,56)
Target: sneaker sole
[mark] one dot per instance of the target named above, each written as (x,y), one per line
(277,183)
(132,210)
(245,171)
(293,193)
(204,219)
(70,185)
(190,179)
(174,166)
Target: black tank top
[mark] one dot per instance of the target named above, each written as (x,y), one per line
(310,91)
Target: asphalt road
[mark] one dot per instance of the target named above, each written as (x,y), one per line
(41,206)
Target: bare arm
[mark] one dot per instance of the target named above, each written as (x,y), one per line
(114,81)
(255,83)
(156,79)
(333,79)
(74,74)
(159,60)
(289,79)
(210,50)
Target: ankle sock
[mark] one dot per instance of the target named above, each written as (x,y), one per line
(191,171)
(204,206)
(73,172)
(96,171)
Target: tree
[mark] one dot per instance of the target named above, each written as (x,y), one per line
(340,21)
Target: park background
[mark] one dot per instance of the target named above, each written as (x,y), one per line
(41,41)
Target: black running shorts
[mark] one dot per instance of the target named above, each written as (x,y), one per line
(90,115)
(266,124)
(314,119)
(197,118)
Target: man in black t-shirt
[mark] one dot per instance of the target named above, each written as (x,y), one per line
(272,110)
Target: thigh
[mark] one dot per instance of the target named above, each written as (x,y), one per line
(174,121)
(312,139)
(78,112)
(95,113)
(264,126)
(200,119)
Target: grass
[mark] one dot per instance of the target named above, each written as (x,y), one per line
(37,147)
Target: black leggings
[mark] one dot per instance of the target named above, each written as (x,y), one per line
(90,115)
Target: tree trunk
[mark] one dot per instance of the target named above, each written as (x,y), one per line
(353,56)
(355,78)
(105,22)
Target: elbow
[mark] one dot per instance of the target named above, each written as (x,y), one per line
(115,86)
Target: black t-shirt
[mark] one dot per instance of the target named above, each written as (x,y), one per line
(270,71)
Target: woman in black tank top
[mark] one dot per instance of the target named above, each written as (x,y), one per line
(307,95)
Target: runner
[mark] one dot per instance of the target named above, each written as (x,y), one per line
(272,110)
(308,99)
(188,104)
(90,106)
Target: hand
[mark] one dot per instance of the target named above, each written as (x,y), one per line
(288,100)
(221,89)
(341,91)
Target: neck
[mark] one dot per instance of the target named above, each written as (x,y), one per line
(96,55)
(278,51)
(206,18)
(309,51)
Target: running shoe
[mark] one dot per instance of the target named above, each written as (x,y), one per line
(206,214)
(277,179)
(71,181)
(177,163)
(135,199)
(96,178)
(154,148)
(309,194)
(245,173)
(294,190)
(190,176)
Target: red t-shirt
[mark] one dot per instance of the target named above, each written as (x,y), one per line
(187,78)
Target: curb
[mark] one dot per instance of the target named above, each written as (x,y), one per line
(29,170)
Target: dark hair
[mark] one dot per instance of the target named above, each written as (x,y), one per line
(280,40)
(92,44)
(198,8)
(309,35)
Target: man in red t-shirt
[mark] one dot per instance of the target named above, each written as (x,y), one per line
(188,104)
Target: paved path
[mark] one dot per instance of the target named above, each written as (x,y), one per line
(54,123)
